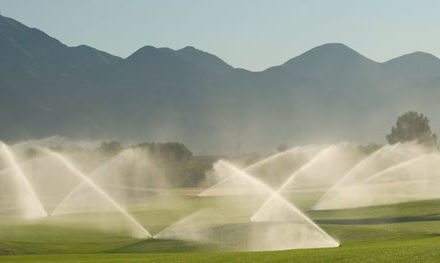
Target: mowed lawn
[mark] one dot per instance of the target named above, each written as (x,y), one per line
(425,249)
(407,232)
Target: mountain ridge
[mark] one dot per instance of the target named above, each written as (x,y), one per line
(160,94)
(326,46)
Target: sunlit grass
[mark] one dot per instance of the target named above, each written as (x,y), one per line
(406,232)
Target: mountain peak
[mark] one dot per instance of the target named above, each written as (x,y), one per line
(203,58)
(333,46)
(188,49)
(335,51)
(187,54)
(147,53)
(143,50)
(328,57)
(421,66)
(418,57)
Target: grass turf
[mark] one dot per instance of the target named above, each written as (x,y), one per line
(408,232)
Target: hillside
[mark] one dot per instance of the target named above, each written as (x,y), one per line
(160,94)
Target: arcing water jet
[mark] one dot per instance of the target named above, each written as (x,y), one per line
(381,160)
(30,204)
(139,230)
(283,227)
(322,171)
(271,170)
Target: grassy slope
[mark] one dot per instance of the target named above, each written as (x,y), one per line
(408,250)
(397,233)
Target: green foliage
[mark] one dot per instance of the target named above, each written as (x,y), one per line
(412,126)
(174,160)
(110,148)
(170,151)
(282,148)
(177,162)
(370,148)
(195,170)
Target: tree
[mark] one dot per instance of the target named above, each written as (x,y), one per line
(111,148)
(282,148)
(412,126)
(370,148)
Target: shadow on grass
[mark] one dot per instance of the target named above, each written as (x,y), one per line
(164,245)
(380,220)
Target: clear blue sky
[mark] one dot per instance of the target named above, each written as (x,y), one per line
(245,33)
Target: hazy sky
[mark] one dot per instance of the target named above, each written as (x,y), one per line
(245,33)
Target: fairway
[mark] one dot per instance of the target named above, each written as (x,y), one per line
(407,232)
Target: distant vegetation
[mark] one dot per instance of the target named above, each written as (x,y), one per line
(178,163)
(174,160)
(412,126)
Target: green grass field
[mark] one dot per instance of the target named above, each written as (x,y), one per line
(407,232)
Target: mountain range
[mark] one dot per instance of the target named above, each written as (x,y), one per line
(328,94)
